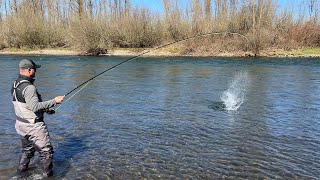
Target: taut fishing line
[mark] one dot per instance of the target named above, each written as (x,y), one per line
(85,83)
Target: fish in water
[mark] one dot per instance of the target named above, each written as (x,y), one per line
(219,106)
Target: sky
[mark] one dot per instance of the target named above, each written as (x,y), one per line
(157,5)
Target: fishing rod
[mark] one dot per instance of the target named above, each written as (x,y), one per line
(85,83)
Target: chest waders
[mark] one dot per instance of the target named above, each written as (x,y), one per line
(34,136)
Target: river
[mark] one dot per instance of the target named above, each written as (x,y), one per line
(173,118)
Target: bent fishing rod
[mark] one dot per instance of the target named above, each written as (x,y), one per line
(85,83)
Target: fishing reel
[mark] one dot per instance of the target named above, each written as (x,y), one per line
(50,111)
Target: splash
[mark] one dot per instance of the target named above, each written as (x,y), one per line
(234,96)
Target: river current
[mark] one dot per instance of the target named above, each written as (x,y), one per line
(173,118)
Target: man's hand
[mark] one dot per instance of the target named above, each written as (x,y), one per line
(58,99)
(50,111)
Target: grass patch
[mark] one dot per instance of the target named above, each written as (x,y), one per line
(17,49)
(140,50)
(306,51)
(310,51)
(173,48)
(35,49)
(135,50)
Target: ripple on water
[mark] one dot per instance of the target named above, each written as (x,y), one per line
(162,119)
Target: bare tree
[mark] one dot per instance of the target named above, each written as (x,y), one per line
(6,8)
(80,4)
(115,7)
(233,7)
(196,16)
(105,9)
(166,7)
(313,7)
(0,11)
(50,10)
(90,8)
(208,9)
(127,6)
(111,9)
(15,6)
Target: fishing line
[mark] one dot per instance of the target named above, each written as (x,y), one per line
(85,83)
(73,95)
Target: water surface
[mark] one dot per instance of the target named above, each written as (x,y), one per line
(166,118)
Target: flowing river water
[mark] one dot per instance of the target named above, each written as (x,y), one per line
(173,118)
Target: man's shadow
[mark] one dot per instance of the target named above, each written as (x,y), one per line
(69,148)
(65,150)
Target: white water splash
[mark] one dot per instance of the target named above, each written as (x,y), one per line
(234,96)
(37,176)
(28,176)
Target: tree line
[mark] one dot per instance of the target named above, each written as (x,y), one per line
(104,24)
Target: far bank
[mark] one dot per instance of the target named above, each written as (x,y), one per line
(171,52)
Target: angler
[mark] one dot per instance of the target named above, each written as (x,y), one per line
(29,109)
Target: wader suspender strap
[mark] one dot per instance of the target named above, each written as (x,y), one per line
(15,86)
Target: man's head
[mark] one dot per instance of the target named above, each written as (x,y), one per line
(28,68)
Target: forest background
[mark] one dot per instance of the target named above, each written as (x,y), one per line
(237,26)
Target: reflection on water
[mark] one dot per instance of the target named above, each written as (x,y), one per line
(169,118)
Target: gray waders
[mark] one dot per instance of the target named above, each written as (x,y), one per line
(38,139)
(32,129)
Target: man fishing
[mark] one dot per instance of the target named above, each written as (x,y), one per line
(29,109)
